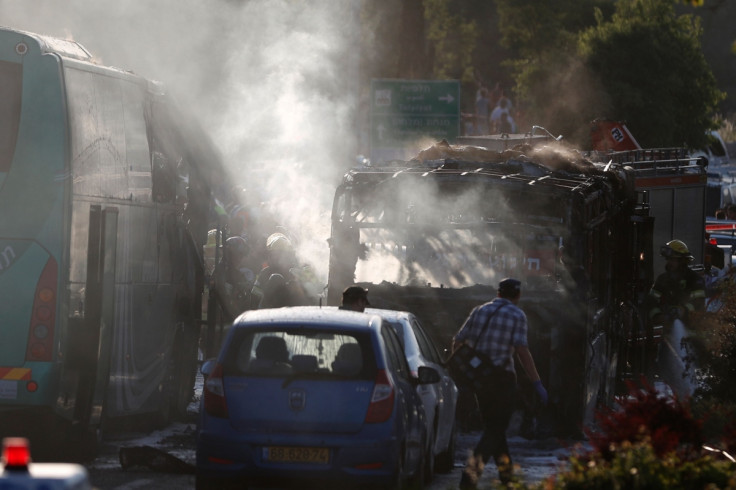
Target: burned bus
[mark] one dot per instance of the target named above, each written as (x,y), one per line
(106,191)
(434,235)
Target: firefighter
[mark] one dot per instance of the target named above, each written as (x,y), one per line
(278,284)
(679,290)
(232,283)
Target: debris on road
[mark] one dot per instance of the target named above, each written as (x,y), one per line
(153,458)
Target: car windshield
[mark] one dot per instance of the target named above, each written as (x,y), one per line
(299,351)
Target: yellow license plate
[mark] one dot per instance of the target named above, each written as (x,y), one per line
(285,454)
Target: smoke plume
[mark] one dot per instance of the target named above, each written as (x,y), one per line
(271,81)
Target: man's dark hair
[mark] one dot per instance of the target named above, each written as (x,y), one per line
(353,294)
(509,288)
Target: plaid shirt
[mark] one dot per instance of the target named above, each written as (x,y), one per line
(507,328)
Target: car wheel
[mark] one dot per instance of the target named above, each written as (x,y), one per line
(429,462)
(446,459)
(399,480)
(417,479)
(416,482)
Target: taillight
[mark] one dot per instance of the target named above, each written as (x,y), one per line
(40,345)
(382,399)
(214,394)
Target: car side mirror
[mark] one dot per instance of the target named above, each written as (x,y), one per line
(428,375)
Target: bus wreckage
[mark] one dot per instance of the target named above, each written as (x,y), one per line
(434,235)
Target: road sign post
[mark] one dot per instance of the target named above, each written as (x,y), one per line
(408,114)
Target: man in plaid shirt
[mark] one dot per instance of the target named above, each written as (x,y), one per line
(504,336)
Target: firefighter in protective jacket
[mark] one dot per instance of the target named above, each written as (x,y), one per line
(231,281)
(679,290)
(278,283)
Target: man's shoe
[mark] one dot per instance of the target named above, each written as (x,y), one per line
(471,473)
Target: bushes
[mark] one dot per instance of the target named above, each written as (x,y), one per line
(638,466)
(665,423)
(650,441)
(654,441)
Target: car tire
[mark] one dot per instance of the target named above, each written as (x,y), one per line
(416,481)
(446,459)
(398,482)
(429,462)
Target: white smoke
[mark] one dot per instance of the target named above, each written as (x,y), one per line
(272,81)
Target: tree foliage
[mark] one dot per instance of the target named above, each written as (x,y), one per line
(631,60)
(550,82)
(651,67)
(568,61)
(452,36)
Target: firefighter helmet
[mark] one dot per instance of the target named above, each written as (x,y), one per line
(237,247)
(676,249)
(211,243)
(278,241)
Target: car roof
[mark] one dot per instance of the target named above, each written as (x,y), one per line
(394,315)
(301,315)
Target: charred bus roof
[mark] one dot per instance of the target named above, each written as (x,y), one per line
(539,184)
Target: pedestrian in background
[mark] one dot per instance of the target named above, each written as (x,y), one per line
(482,112)
(354,298)
(503,106)
(498,330)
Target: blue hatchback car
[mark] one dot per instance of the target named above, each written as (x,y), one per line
(311,394)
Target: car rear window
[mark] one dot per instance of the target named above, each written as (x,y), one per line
(294,351)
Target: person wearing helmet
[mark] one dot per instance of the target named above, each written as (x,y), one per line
(277,285)
(679,290)
(232,281)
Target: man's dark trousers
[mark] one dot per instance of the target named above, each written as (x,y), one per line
(497,403)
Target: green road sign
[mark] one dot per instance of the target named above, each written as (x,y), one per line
(404,112)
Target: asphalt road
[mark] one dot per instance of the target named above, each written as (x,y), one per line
(155,468)
(167,462)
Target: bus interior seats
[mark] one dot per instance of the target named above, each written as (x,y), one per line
(304,363)
(272,356)
(348,361)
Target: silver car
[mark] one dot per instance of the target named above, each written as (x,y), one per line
(439,399)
